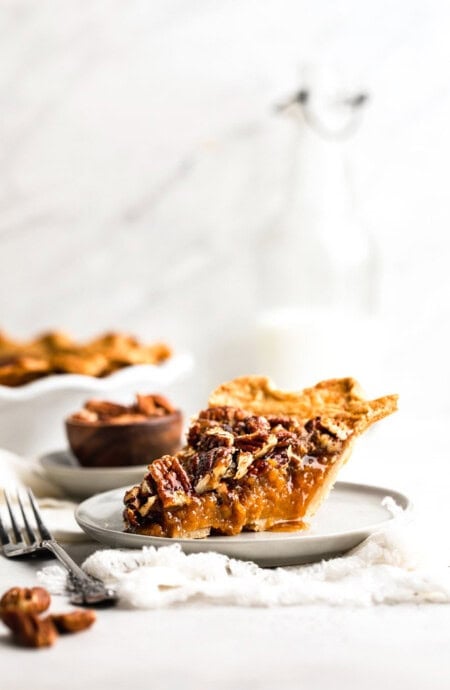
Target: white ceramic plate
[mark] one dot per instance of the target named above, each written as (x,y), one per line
(351,513)
(63,469)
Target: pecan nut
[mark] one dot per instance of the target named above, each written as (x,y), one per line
(212,466)
(24,599)
(29,630)
(73,621)
(153,405)
(163,403)
(171,481)
(105,409)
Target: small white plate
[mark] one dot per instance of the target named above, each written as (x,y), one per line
(62,468)
(351,513)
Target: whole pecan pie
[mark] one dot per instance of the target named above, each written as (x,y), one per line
(255,459)
(56,352)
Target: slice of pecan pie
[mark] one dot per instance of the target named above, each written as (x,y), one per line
(255,458)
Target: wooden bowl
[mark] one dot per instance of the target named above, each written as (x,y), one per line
(116,445)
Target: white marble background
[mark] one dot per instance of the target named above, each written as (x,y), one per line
(135,178)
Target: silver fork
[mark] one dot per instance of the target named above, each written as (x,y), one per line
(24,540)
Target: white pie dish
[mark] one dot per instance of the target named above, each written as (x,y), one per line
(351,513)
(32,416)
(63,469)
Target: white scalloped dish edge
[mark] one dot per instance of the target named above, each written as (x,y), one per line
(150,374)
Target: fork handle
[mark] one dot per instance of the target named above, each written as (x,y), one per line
(84,588)
(64,558)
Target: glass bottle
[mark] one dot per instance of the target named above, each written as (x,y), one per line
(318,275)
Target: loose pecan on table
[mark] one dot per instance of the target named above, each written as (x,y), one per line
(29,630)
(73,621)
(19,611)
(26,600)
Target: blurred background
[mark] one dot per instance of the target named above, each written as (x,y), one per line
(164,173)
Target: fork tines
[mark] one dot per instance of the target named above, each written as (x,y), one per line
(21,532)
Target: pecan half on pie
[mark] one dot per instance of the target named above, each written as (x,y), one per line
(255,458)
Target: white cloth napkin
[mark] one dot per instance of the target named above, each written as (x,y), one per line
(16,473)
(387,568)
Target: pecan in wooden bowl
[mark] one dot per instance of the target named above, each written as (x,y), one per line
(108,434)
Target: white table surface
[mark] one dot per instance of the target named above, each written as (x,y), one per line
(222,647)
